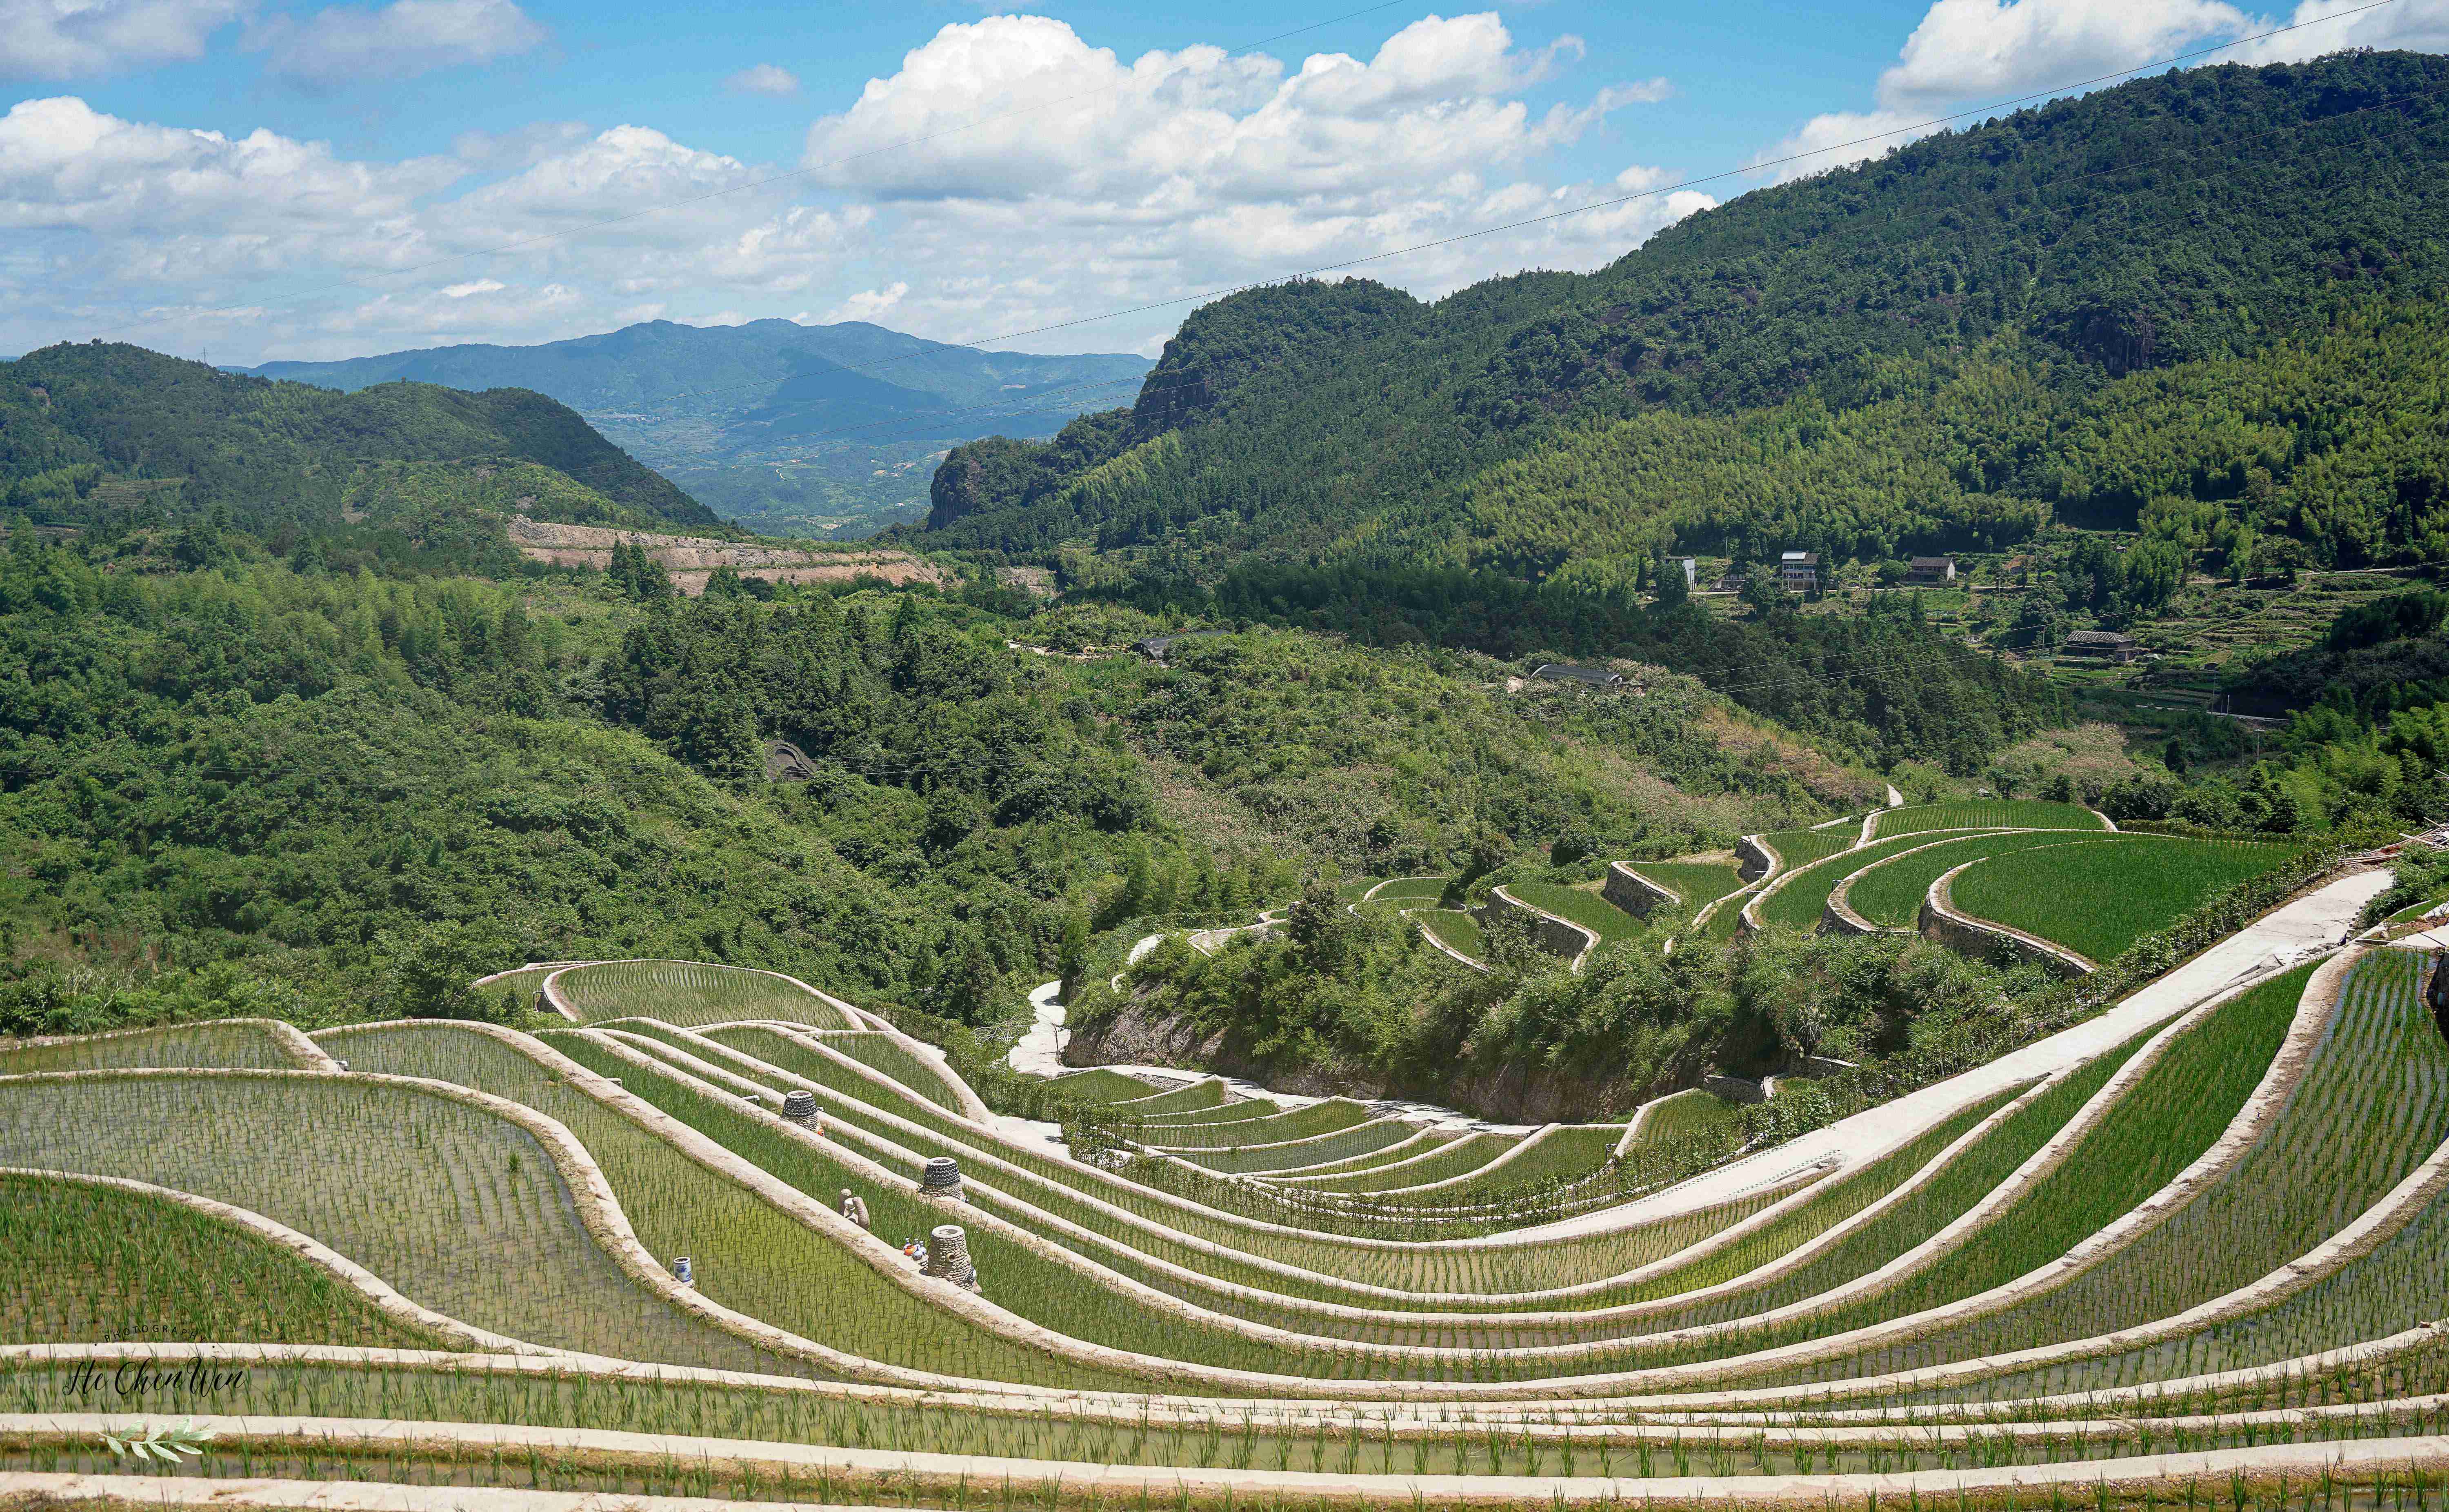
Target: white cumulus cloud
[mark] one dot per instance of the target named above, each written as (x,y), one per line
(66,39)
(344,44)
(1007,174)
(764,78)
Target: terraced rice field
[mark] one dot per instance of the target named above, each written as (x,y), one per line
(1987,814)
(1457,1158)
(1318,1118)
(888,1054)
(1796,849)
(1683,1114)
(1698,883)
(1584,907)
(1797,899)
(1458,930)
(1101,1086)
(2098,900)
(1891,893)
(234,1043)
(688,992)
(2037,1280)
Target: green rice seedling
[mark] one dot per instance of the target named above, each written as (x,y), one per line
(1014,1275)
(2373,1103)
(748,1254)
(1829,1205)
(1302,1153)
(689,992)
(1101,1086)
(1329,1116)
(1410,890)
(1796,849)
(1566,1153)
(1986,814)
(1459,931)
(454,1207)
(1245,1111)
(1681,1115)
(804,1058)
(1891,892)
(1698,883)
(2098,900)
(1801,898)
(1457,1158)
(521,987)
(87,1263)
(1420,1146)
(243,1045)
(2168,1118)
(1583,906)
(1952,1191)
(1201,1097)
(895,1059)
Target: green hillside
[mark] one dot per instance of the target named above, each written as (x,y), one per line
(269,453)
(774,423)
(2074,311)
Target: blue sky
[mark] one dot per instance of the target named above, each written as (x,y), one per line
(287,178)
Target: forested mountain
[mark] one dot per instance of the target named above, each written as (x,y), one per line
(246,786)
(773,420)
(73,417)
(2168,303)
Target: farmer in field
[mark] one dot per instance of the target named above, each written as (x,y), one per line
(2436,993)
(854,1208)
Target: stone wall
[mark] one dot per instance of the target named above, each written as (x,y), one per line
(1634,894)
(1550,933)
(1735,1088)
(1984,941)
(1754,859)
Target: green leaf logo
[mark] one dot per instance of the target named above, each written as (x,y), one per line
(164,1443)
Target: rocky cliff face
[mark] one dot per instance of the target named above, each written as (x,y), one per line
(1137,1036)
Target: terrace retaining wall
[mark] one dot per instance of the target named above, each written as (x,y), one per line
(1634,894)
(1756,858)
(1941,921)
(938,1476)
(1549,933)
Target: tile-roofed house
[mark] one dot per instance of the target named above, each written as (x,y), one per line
(2108,645)
(1930,572)
(1590,676)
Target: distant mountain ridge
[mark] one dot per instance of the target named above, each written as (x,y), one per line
(737,370)
(772,416)
(284,452)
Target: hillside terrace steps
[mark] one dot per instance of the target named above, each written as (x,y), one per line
(1948,925)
